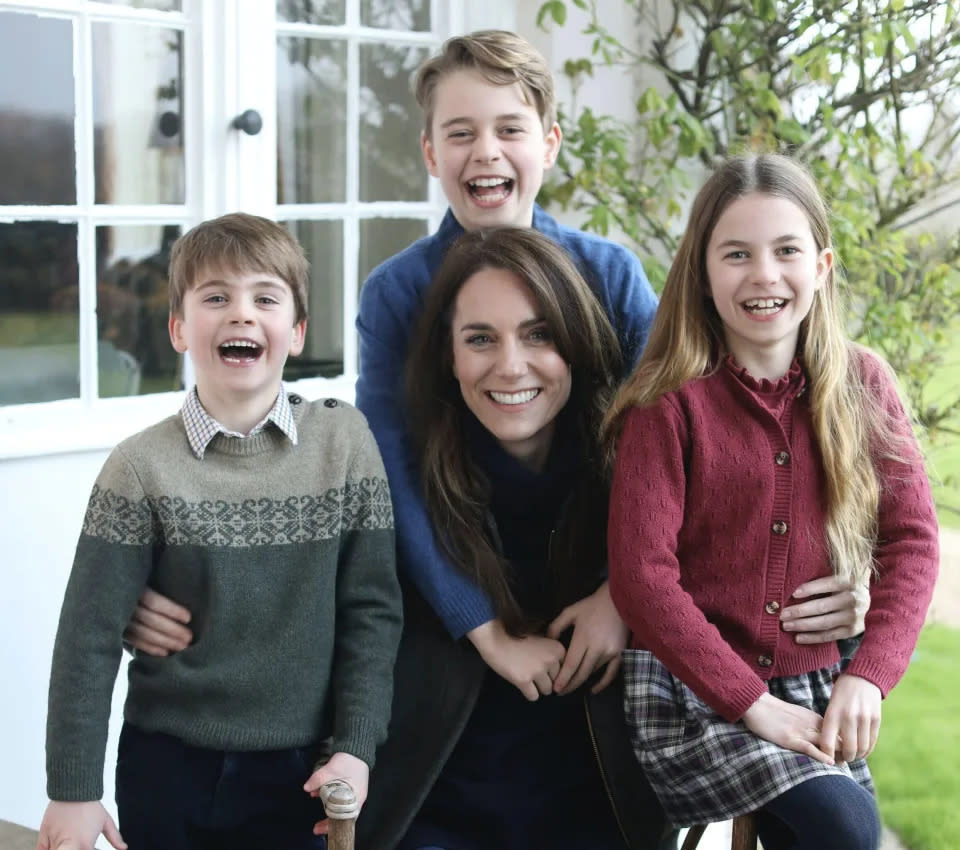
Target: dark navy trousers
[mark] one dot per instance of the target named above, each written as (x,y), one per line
(173,796)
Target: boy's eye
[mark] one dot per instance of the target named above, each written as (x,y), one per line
(459,134)
(266,299)
(215,299)
(510,131)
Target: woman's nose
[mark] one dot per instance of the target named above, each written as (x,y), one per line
(511,363)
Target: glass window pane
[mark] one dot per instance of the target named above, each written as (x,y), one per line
(391,166)
(396,14)
(36,110)
(161,5)
(311,120)
(134,355)
(323,352)
(312,11)
(381,238)
(39,312)
(137,110)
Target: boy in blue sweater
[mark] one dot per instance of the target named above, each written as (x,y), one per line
(490,134)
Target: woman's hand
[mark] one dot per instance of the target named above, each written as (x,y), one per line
(158,625)
(530,663)
(790,726)
(837,613)
(352,770)
(599,636)
(852,721)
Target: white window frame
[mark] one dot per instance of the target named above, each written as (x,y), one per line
(218,168)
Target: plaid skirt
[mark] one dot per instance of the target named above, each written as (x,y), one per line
(705,769)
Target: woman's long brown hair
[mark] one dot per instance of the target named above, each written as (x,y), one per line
(456,490)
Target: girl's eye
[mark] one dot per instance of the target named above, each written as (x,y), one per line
(789,249)
(737,255)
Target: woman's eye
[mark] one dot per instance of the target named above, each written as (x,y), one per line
(478,339)
(541,335)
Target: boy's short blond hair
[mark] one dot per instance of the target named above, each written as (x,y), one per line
(501,58)
(242,243)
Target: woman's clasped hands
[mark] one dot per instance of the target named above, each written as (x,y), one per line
(540,665)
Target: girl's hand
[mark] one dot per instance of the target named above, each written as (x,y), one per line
(791,726)
(530,663)
(352,770)
(76,826)
(158,625)
(852,721)
(837,613)
(599,636)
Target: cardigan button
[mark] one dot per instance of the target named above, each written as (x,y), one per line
(765,661)
(329,402)
(779,527)
(782,458)
(772,607)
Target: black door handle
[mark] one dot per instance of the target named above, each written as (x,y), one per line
(249,121)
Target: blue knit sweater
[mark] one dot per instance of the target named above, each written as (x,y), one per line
(390,303)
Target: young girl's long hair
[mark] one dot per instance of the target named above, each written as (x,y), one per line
(687,342)
(456,490)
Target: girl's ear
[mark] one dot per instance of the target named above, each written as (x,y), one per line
(824,264)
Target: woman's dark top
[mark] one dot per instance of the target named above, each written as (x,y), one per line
(523,774)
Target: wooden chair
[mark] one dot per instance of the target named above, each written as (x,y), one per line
(744,834)
(340,804)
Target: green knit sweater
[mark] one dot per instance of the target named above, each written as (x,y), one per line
(285,556)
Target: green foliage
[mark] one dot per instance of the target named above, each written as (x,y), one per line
(863,91)
(915,762)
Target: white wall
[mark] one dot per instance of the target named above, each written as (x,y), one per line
(41,508)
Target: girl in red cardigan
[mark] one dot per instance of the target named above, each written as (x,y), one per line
(759,448)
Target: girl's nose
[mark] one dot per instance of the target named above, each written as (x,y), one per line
(766,270)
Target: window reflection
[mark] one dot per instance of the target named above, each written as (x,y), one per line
(138,108)
(391,166)
(36,110)
(396,14)
(381,238)
(39,312)
(312,11)
(134,354)
(323,350)
(311,120)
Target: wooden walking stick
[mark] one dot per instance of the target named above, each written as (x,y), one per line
(340,804)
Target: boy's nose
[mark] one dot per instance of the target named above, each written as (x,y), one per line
(241,313)
(486,148)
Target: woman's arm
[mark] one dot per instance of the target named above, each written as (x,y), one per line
(529,663)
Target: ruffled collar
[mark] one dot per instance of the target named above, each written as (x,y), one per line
(794,379)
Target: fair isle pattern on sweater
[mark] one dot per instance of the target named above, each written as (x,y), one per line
(283,554)
(113,518)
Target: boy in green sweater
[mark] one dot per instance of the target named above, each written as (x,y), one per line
(269,517)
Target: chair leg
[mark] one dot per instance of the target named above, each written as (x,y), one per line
(694,834)
(744,833)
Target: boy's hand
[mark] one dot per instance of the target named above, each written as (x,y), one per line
(599,636)
(158,625)
(76,826)
(352,770)
(790,726)
(530,663)
(836,613)
(852,721)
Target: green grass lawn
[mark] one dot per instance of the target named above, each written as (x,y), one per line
(916,764)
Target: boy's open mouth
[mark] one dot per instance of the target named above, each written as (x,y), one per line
(764,306)
(490,190)
(240,351)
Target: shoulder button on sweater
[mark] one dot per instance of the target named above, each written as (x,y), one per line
(329,402)
(294,398)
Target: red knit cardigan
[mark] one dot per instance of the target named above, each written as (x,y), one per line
(717,516)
